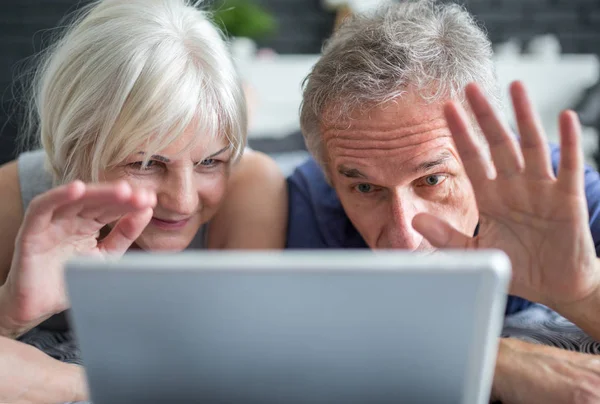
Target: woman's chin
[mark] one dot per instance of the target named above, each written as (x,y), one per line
(163,244)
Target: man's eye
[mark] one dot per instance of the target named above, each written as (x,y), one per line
(433,180)
(364,188)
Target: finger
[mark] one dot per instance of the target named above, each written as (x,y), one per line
(110,214)
(125,232)
(507,157)
(111,210)
(42,207)
(570,168)
(96,196)
(476,165)
(143,198)
(441,234)
(533,141)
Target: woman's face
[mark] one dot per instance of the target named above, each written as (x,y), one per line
(189,184)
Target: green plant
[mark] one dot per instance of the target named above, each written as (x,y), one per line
(244,18)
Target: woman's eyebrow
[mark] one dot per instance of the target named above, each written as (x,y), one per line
(158,157)
(217,153)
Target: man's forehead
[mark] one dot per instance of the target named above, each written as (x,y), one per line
(406,133)
(376,143)
(392,120)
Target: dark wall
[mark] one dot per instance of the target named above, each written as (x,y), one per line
(303,24)
(24,26)
(575,22)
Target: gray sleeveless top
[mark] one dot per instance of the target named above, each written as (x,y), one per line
(34,179)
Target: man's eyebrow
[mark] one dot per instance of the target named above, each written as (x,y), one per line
(438,161)
(351,172)
(158,157)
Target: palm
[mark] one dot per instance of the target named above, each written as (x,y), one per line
(41,255)
(64,223)
(538,219)
(540,229)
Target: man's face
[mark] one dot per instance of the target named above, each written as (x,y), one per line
(394,161)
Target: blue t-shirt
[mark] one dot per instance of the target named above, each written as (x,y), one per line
(317,219)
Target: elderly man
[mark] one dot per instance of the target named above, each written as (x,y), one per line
(400,163)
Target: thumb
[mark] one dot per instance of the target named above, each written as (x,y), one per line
(441,234)
(125,232)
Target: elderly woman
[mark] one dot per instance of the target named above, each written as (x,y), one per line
(142,121)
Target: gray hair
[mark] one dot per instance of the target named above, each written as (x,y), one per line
(129,74)
(435,48)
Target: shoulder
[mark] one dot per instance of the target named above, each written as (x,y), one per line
(316,217)
(10,203)
(254,213)
(33,177)
(256,167)
(309,194)
(21,180)
(11,214)
(308,183)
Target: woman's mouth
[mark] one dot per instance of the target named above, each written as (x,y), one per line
(165,224)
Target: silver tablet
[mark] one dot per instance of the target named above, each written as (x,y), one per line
(290,327)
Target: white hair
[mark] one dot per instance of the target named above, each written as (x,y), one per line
(434,48)
(130,74)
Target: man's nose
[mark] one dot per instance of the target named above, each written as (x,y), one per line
(401,234)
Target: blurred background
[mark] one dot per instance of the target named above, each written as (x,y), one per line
(552,45)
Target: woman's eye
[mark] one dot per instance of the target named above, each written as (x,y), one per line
(139,165)
(209,163)
(433,180)
(150,166)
